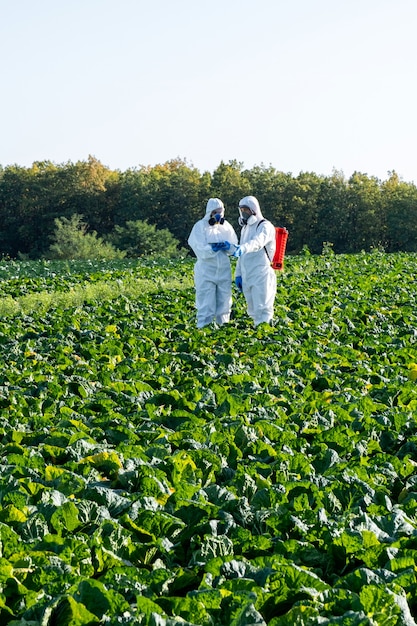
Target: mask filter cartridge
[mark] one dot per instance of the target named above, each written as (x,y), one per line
(216,219)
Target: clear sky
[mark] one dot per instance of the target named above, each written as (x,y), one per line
(299,85)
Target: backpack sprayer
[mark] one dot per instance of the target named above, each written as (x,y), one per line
(281,236)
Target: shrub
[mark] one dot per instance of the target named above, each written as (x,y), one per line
(71,240)
(139,238)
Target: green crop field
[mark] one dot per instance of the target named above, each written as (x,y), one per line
(154,474)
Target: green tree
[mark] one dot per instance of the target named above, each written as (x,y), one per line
(400,201)
(331,213)
(32,198)
(138,238)
(73,241)
(230,185)
(302,209)
(287,201)
(271,188)
(94,193)
(13,185)
(168,196)
(363,220)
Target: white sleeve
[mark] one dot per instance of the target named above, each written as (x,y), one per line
(198,244)
(265,234)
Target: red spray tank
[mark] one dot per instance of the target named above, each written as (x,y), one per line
(281,236)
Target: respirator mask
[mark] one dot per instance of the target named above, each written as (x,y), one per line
(217,218)
(246,219)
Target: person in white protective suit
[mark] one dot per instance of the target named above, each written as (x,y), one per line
(254,274)
(213,240)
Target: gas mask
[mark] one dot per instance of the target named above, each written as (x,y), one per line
(217,218)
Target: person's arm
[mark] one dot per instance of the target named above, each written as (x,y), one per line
(197,242)
(265,234)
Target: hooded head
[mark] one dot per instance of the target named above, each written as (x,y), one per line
(215,211)
(249,211)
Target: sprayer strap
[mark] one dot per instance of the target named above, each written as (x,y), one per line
(266,251)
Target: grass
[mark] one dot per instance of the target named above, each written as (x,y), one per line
(99,291)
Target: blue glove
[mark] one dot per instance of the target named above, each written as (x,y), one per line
(237,252)
(221,245)
(238,282)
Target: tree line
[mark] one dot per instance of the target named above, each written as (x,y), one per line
(349,214)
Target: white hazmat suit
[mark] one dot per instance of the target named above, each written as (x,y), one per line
(255,253)
(212,271)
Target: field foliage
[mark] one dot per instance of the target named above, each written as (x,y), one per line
(157,475)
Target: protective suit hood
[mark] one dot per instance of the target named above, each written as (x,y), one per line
(252,203)
(212,205)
